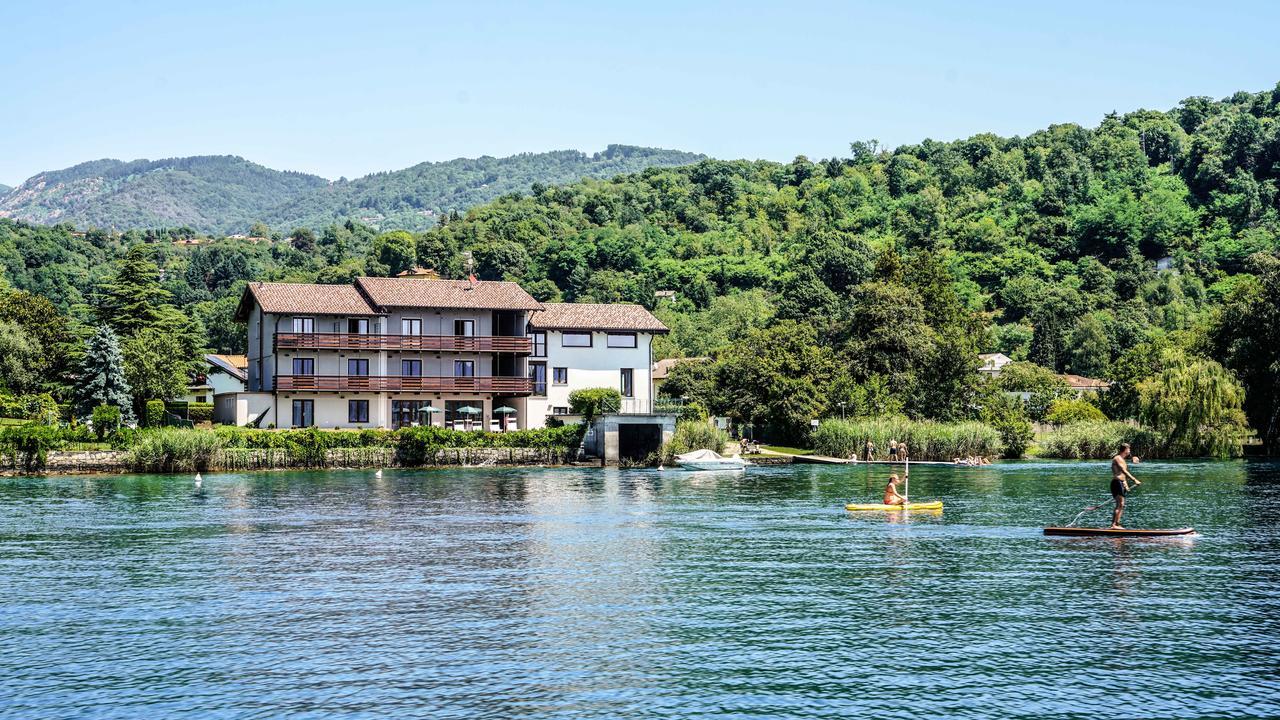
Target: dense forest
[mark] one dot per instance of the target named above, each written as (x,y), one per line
(1145,251)
(226,194)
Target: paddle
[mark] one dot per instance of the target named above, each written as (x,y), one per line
(1110,500)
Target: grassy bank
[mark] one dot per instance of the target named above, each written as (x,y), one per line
(926,440)
(1099,440)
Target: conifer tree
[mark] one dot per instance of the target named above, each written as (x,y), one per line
(102,380)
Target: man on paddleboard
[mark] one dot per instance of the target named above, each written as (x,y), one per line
(891,495)
(1120,477)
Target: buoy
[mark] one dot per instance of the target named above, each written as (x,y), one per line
(199,480)
(378,474)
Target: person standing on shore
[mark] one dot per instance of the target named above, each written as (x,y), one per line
(1120,477)
(893,449)
(871,448)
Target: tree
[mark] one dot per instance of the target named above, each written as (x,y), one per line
(1246,334)
(157,366)
(42,322)
(781,377)
(1042,385)
(132,298)
(102,379)
(1196,405)
(1090,348)
(21,359)
(1065,411)
(303,240)
(396,251)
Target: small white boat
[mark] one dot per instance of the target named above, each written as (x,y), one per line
(710,460)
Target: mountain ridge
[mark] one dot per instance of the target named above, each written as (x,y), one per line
(227,193)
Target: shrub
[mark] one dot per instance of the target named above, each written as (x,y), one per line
(153,413)
(693,435)
(41,409)
(29,445)
(926,440)
(422,445)
(106,419)
(1099,440)
(589,402)
(200,412)
(173,450)
(1065,411)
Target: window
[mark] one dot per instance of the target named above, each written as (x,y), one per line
(464,368)
(559,410)
(539,344)
(538,374)
(622,340)
(411,326)
(464,328)
(304,325)
(412,368)
(560,376)
(628,383)
(357,411)
(357,367)
(406,413)
(304,366)
(575,339)
(358,326)
(304,413)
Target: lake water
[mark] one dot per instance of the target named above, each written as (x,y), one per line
(637,594)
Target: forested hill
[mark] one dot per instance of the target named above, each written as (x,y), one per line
(226,194)
(4,189)
(218,193)
(413,198)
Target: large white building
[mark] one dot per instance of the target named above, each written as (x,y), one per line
(394,352)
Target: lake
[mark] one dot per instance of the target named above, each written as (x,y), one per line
(593,593)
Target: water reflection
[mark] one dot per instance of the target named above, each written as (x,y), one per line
(632,594)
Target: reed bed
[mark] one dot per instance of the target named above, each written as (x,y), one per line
(925,439)
(1099,440)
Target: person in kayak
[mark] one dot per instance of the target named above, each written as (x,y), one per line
(891,494)
(1120,477)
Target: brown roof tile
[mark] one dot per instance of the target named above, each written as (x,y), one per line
(461,294)
(592,316)
(1079,382)
(296,298)
(662,368)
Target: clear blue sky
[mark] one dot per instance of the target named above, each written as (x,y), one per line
(348,88)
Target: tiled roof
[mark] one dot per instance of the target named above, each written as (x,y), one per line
(663,367)
(592,316)
(235,365)
(1080,382)
(297,298)
(458,294)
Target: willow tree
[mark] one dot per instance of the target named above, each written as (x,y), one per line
(1197,406)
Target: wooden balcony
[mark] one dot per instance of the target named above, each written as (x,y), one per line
(405,383)
(428,343)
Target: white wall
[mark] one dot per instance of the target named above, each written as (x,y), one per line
(596,366)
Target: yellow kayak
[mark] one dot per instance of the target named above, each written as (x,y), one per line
(935,505)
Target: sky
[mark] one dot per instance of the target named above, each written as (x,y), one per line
(346,89)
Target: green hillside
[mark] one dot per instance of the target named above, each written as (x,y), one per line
(413,198)
(218,193)
(226,194)
(4,189)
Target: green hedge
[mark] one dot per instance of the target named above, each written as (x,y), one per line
(926,440)
(153,414)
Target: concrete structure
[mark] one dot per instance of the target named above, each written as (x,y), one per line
(993,363)
(583,345)
(222,374)
(386,352)
(395,352)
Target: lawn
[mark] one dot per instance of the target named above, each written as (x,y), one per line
(786,450)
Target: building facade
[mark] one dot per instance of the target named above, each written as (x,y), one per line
(397,352)
(584,345)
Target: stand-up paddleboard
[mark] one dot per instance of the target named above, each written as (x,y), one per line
(1125,532)
(935,505)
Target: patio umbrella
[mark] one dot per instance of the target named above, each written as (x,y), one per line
(504,411)
(426,409)
(469,411)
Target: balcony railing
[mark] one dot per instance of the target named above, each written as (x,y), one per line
(643,406)
(409,383)
(429,343)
